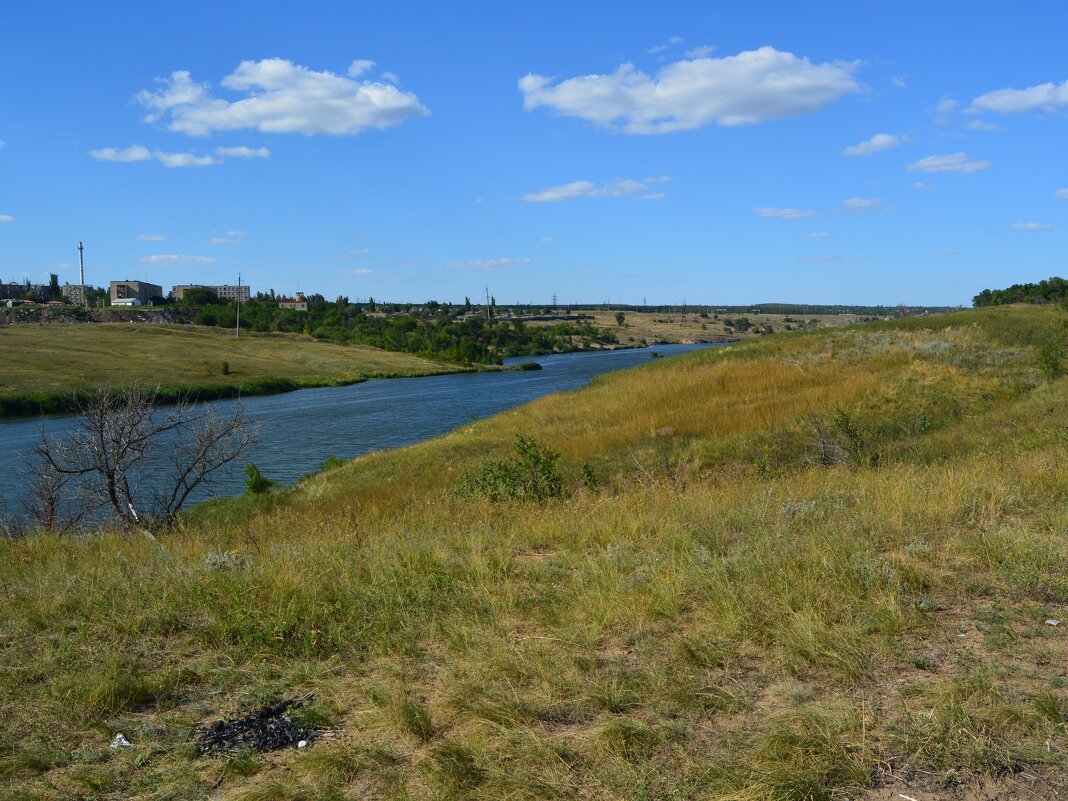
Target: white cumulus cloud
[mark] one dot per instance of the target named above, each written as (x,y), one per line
(784,214)
(490,265)
(576,189)
(752,87)
(242,152)
(876,144)
(953,162)
(281,97)
(861,203)
(6,218)
(1031,226)
(169,259)
(1044,97)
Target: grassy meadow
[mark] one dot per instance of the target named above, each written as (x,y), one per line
(815,565)
(44,366)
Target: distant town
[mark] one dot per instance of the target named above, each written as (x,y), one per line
(130,293)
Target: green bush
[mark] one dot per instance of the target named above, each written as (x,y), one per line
(331,462)
(532,476)
(255,482)
(1050,356)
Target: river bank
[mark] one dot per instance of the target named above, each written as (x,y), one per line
(48,368)
(300,429)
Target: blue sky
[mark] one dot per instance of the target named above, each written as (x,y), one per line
(712,153)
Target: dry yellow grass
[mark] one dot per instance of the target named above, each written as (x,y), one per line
(657,327)
(723,617)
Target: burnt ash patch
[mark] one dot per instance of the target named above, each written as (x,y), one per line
(268,729)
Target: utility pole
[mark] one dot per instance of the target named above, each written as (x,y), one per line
(81,274)
(554,301)
(488,314)
(237,328)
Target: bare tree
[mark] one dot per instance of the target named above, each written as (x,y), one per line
(121,440)
(53,501)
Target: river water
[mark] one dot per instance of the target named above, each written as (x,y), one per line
(298,430)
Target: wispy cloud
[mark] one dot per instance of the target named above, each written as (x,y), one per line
(354,253)
(242,152)
(704,51)
(136,153)
(363,271)
(577,189)
(784,214)
(818,235)
(861,204)
(952,162)
(660,48)
(1061,193)
(230,238)
(125,155)
(6,218)
(490,265)
(281,97)
(877,143)
(752,87)
(151,237)
(1043,97)
(171,259)
(1031,226)
(819,259)
(947,252)
(923,186)
(184,159)
(982,125)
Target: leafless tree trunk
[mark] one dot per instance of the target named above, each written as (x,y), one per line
(121,437)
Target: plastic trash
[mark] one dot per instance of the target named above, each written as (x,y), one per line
(121,742)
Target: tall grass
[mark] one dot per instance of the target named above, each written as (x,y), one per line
(725,617)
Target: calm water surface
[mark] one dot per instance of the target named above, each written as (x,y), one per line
(298,430)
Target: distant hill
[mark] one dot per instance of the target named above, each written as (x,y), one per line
(781,308)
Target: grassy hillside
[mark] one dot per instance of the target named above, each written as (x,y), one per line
(43,365)
(809,566)
(657,327)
